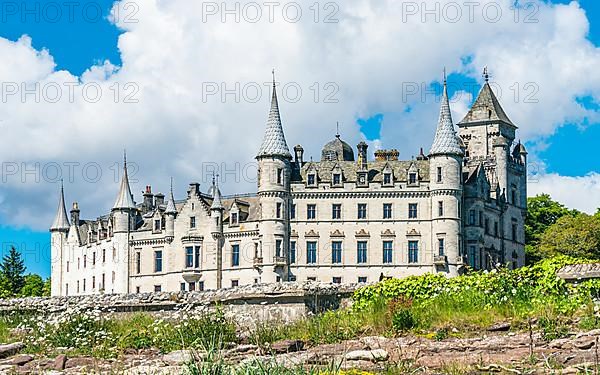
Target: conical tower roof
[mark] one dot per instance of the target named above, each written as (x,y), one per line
(274,143)
(446,141)
(61,220)
(124,198)
(485,108)
(217,203)
(171,209)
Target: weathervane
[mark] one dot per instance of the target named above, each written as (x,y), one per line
(486,74)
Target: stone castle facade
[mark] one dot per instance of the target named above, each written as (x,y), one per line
(343,219)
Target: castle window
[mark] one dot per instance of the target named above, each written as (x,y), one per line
(189,256)
(94,258)
(495,228)
(487,225)
(292,252)
(412,178)
(361,252)
(84,261)
(278,245)
(235,283)
(311,252)
(439,174)
(84,285)
(293,211)
(200,285)
(311,278)
(413,251)
(362,279)
(234,218)
(481,218)
(193,222)
(388,252)
(278,210)
(157,225)
(362,211)
(157,288)
(280,176)
(93,282)
(337,179)
(181,287)
(235,255)
(472,217)
(471,256)
(387,178)
(336,211)
(336,252)
(311,179)
(513,195)
(412,211)
(440,208)
(337,280)
(77,286)
(440,246)
(138,262)
(387,210)
(67,289)
(191,286)
(103,255)
(158,264)
(103,281)
(514,232)
(67,266)
(197,256)
(311,211)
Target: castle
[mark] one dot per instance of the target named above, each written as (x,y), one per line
(343,219)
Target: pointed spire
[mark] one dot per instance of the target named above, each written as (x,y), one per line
(171,209)
(446,140)
(217,203)
(274,141)
(61,220)
(124,198)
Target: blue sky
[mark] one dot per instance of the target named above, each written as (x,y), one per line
(78,43)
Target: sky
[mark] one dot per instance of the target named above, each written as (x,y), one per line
(184,87)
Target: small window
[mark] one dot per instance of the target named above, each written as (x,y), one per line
(440,246)
(412,178)
(387,210)
(388,247)
(387,178)
(191,286)
(235,283)
(157,225)
(278,210)
(182,287)
(189,256)
(192,222)
(336,252)
(93,282)
(362,211)
(311,179)
(362,279)
(235,255)
(472,217)
(311,278)
(94,258)
(137,289)
(311,212)
(200,285)
(197,256)
(413,251)
(337,179)
(157,288)
(361,252)
(440,208)
(103,255)
(293,211)
(292,252)
(67,266)
(337,280)
(336,211)
(278,247)
(234,218)
(496,228)
(412,211)
(439,174)
(84,261)
(138,262)
(311,252)
(158,266)
(280,176)
(514,232)
(84,285)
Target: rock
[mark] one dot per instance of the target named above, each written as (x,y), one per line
(9,350)
(21,359)
(376,355)
(59,362)
(499,327)
(178,357)
(244,348)
(79,362)
(154,370)
(287,346)
(373,342)
(584,344)
(560,344)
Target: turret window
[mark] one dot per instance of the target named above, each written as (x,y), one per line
(440,246)
(440,208)
(138,262)
(439,174)
(278,209)
(235,255)
(472,214)
(280,176)
(278,248)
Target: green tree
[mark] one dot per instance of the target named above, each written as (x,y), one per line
(11,272)
(47,288)
(33,287)
(577,236)
(542,212)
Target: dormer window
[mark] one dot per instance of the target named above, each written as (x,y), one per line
(387,178)
(311,179)
(412,178)
(157,225)
(337,179)
(234,218)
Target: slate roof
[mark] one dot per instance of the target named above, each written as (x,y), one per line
(486,108)
(274,143)
(446,140)
(61,220)
(349,170)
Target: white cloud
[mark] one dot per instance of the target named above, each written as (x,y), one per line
(370,55)
(582,193)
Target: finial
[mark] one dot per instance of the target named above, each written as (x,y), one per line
(171,185)
(486,74)
(444,76)
(273,72)
(337,127)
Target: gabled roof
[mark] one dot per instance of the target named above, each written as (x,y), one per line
(486,108)
(274,141)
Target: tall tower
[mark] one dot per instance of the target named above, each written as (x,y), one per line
(274,173)
(124,216)
(58,240)
(170,214)
(445,170)
(216,215)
